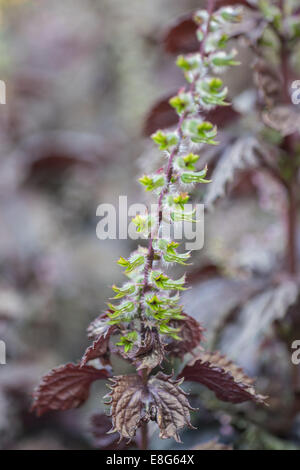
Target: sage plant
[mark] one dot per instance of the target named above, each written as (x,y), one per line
(146,323)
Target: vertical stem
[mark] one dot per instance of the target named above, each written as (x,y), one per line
(291,238)
(288,145)
(169,169)
(144,436)
(210,10)
(168,174)
(144,428)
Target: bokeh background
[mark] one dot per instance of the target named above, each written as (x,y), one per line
(82,77)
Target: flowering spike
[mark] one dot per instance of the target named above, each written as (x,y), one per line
(149,320)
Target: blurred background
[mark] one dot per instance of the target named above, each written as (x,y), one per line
(82,79)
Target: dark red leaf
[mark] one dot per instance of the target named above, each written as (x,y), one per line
(98,350)
(161,399)
(222,116)
(102,439)
(102,331)
(169,405)
(65,387)
(48,153)
(221,376)
(150,353)
(202,273)
(127,399)
(181,37)
(98,327)
(162,115)
(191,333)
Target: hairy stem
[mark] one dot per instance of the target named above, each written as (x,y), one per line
(173,154)
(168,174)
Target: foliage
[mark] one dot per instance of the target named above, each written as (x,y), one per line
(263,152)
(148,324)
